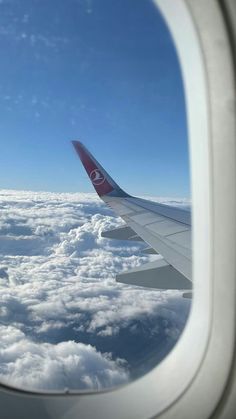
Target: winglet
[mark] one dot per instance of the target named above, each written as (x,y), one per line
(102,182)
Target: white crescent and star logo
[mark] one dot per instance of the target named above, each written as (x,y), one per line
(97,177)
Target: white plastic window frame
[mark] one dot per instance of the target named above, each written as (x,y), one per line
(191,379)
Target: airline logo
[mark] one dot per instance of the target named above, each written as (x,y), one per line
(97,177)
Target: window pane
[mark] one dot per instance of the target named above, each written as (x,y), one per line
(105,72)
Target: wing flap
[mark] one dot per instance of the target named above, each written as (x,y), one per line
(158,274)
(121,233)
(149,251)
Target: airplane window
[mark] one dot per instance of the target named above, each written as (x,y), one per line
(94,290)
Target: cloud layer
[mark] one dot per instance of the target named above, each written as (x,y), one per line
(65,322)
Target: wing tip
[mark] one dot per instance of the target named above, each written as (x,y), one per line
(102,182)
(78,145)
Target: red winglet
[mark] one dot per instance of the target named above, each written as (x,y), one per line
(96,173)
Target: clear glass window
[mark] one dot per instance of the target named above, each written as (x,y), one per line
(107,73)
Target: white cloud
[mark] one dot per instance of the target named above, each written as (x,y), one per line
(65,321)
(56,367)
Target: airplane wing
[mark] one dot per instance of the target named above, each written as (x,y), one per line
(166,230)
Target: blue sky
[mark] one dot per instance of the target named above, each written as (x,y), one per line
(104,72)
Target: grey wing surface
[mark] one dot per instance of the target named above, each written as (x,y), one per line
(165,229)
